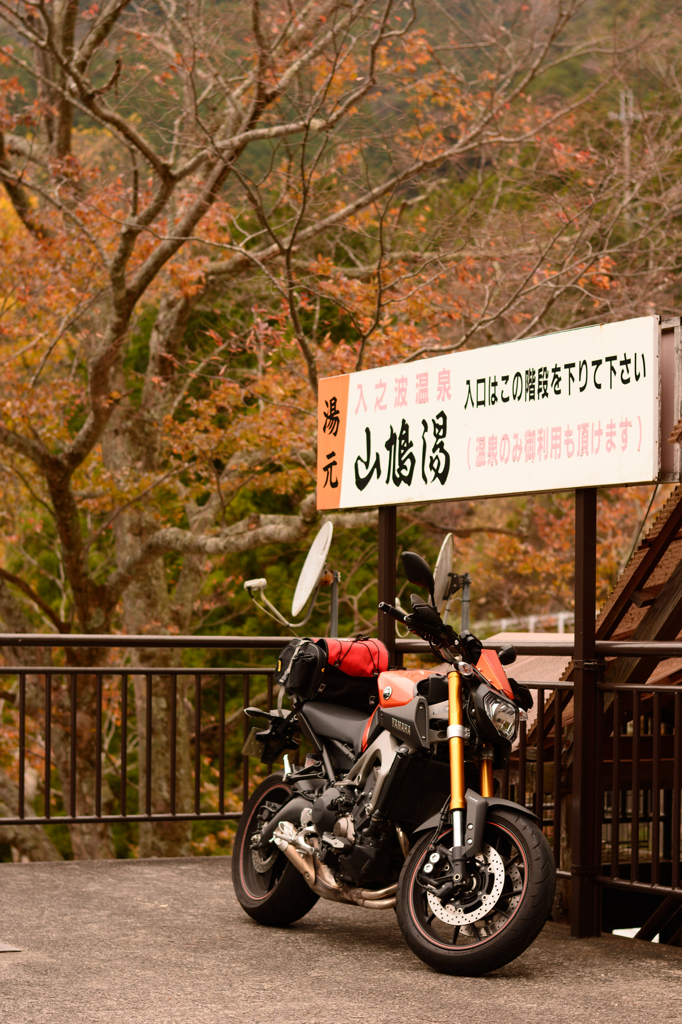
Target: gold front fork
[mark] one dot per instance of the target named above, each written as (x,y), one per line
(486,770)
(456,745)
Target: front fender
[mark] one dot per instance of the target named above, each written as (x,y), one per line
(497,801)
(477,815)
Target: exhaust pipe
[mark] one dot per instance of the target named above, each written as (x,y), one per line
(302,862)
(375,904)
(375,899)
(319,877)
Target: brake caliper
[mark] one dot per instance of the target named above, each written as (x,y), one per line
(442,875)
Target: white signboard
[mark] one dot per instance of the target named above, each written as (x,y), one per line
(574,409)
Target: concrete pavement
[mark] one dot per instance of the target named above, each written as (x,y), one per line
(164,941)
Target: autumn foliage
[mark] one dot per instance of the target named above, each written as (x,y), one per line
(206,211)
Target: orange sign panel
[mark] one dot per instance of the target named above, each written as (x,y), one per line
(332,416)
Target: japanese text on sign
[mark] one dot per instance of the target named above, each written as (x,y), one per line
(574,409)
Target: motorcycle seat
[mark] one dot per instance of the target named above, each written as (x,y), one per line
(339,723)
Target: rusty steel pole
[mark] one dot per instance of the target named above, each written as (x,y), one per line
(585,893)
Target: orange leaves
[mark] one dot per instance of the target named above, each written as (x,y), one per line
(371,224)
(569,157)
(521,552)
(599,275)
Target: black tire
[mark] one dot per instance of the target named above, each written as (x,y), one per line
(522,863)
(269,888)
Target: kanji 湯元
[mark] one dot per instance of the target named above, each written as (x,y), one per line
(329,477)
(331,417)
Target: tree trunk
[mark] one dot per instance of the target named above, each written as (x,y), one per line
(146,609)
(31,842)
(89,842)
(163,839)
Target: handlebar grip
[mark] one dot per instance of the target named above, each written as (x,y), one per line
(395,613)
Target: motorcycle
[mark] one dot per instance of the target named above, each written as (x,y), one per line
(395,805)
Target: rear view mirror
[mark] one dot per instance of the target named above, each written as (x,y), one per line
(507,654)
(418,571)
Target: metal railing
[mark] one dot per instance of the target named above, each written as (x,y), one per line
(526,779)
(637,783)
(102,770)
(641,728)
(131,733)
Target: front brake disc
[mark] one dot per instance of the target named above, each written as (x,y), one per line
(488,872)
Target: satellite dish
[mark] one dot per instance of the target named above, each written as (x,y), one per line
(313,569)
(442,572)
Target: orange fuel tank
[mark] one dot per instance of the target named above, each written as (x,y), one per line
(402,684)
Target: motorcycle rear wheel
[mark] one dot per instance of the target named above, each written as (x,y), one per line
(491,926)
(266,883)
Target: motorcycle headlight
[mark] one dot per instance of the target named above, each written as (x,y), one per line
(503,714)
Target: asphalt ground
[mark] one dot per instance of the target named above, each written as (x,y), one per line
(122,942)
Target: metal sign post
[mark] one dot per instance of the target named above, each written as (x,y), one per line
(387,575)
(585,894)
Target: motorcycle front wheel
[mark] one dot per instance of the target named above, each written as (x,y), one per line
(485,928)
(266,883)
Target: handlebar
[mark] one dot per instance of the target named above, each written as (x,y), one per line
(426,623)
(395,613)
(433,631)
